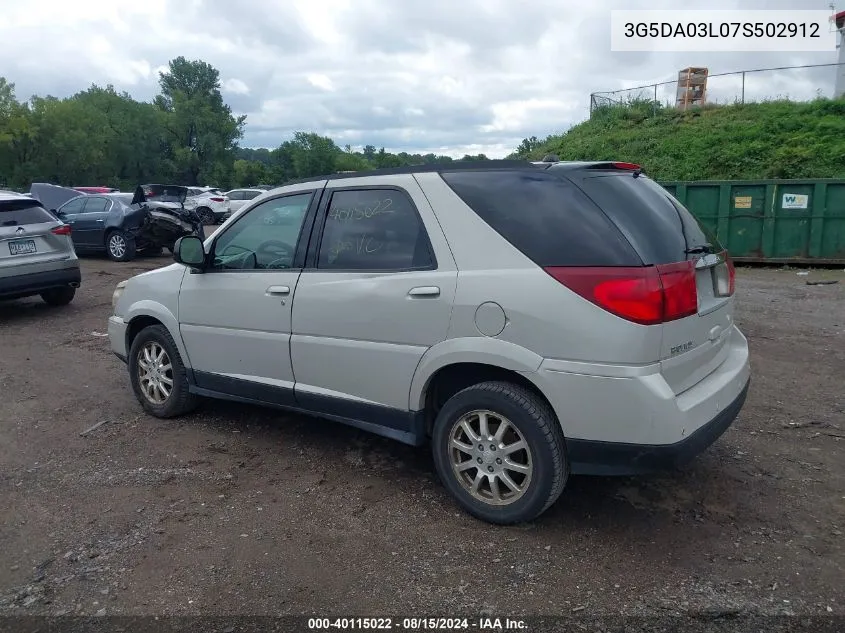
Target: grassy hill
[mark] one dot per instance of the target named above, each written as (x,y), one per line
(775,139)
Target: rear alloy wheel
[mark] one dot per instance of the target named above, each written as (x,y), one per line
(120,246)
(499,450)
(59,296)
(158,377)
(206,215)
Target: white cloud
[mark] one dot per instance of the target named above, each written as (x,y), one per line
(466,77)
(321,81)
(235,86)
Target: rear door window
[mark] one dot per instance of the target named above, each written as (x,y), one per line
(660,228)
(19,213)
(249,195)
(95,205)
(546,217)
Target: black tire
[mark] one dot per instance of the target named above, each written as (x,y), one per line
(114,240)
(59,296)
(539,428)
(206,215)
(180,400)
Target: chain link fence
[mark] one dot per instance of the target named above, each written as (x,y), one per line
(798,83)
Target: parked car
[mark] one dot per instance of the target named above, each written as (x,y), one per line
(210,205)
(36,253)
(528,320)
(239,197)
(124,224)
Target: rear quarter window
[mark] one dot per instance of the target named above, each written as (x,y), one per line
(546,217)
(659,227)
(20,212)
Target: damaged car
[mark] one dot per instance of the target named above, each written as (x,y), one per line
(124,225)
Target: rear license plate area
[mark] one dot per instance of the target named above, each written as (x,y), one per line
(22,247)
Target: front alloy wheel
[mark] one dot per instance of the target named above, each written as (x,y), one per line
(158,376)
(155,373)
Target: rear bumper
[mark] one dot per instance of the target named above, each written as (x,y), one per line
(612,458)
(627,419)
(32,284)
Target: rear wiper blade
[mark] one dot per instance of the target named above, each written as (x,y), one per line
(704,248)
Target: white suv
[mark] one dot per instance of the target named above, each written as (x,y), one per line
(528,320)
(210,205)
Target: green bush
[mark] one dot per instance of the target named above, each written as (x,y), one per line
(774,139)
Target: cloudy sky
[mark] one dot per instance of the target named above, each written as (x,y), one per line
(448,76)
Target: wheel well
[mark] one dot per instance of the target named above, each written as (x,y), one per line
(449,380)
(136,325)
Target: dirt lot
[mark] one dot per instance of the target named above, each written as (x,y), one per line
(240,510)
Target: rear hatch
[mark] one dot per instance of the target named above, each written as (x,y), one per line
(29,236)
(695,271)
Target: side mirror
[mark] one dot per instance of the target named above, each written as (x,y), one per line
(189,251)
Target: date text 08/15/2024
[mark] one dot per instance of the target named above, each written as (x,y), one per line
(417,624)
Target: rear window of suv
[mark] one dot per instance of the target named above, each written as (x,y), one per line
(20,212)
(659,227)
(546,217)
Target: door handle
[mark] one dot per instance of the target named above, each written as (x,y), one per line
(100,221)
(424,291)
(277,291)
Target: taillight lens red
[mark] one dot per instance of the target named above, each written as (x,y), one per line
(64,229)
(217,199)
(680,293)
(631,166)
(647,295)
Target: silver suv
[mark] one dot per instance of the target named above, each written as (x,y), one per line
(36,253)
(527,320)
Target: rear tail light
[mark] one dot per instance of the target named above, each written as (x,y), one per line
(631,166)
(724,276)
(218,199)
(647,295)
(64,229)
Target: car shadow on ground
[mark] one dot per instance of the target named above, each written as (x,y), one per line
(14,310)
(588,502)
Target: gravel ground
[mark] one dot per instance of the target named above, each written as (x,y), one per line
(242,510)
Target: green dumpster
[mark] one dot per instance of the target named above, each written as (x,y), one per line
(777,221)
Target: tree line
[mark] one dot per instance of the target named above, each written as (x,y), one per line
(187,135)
